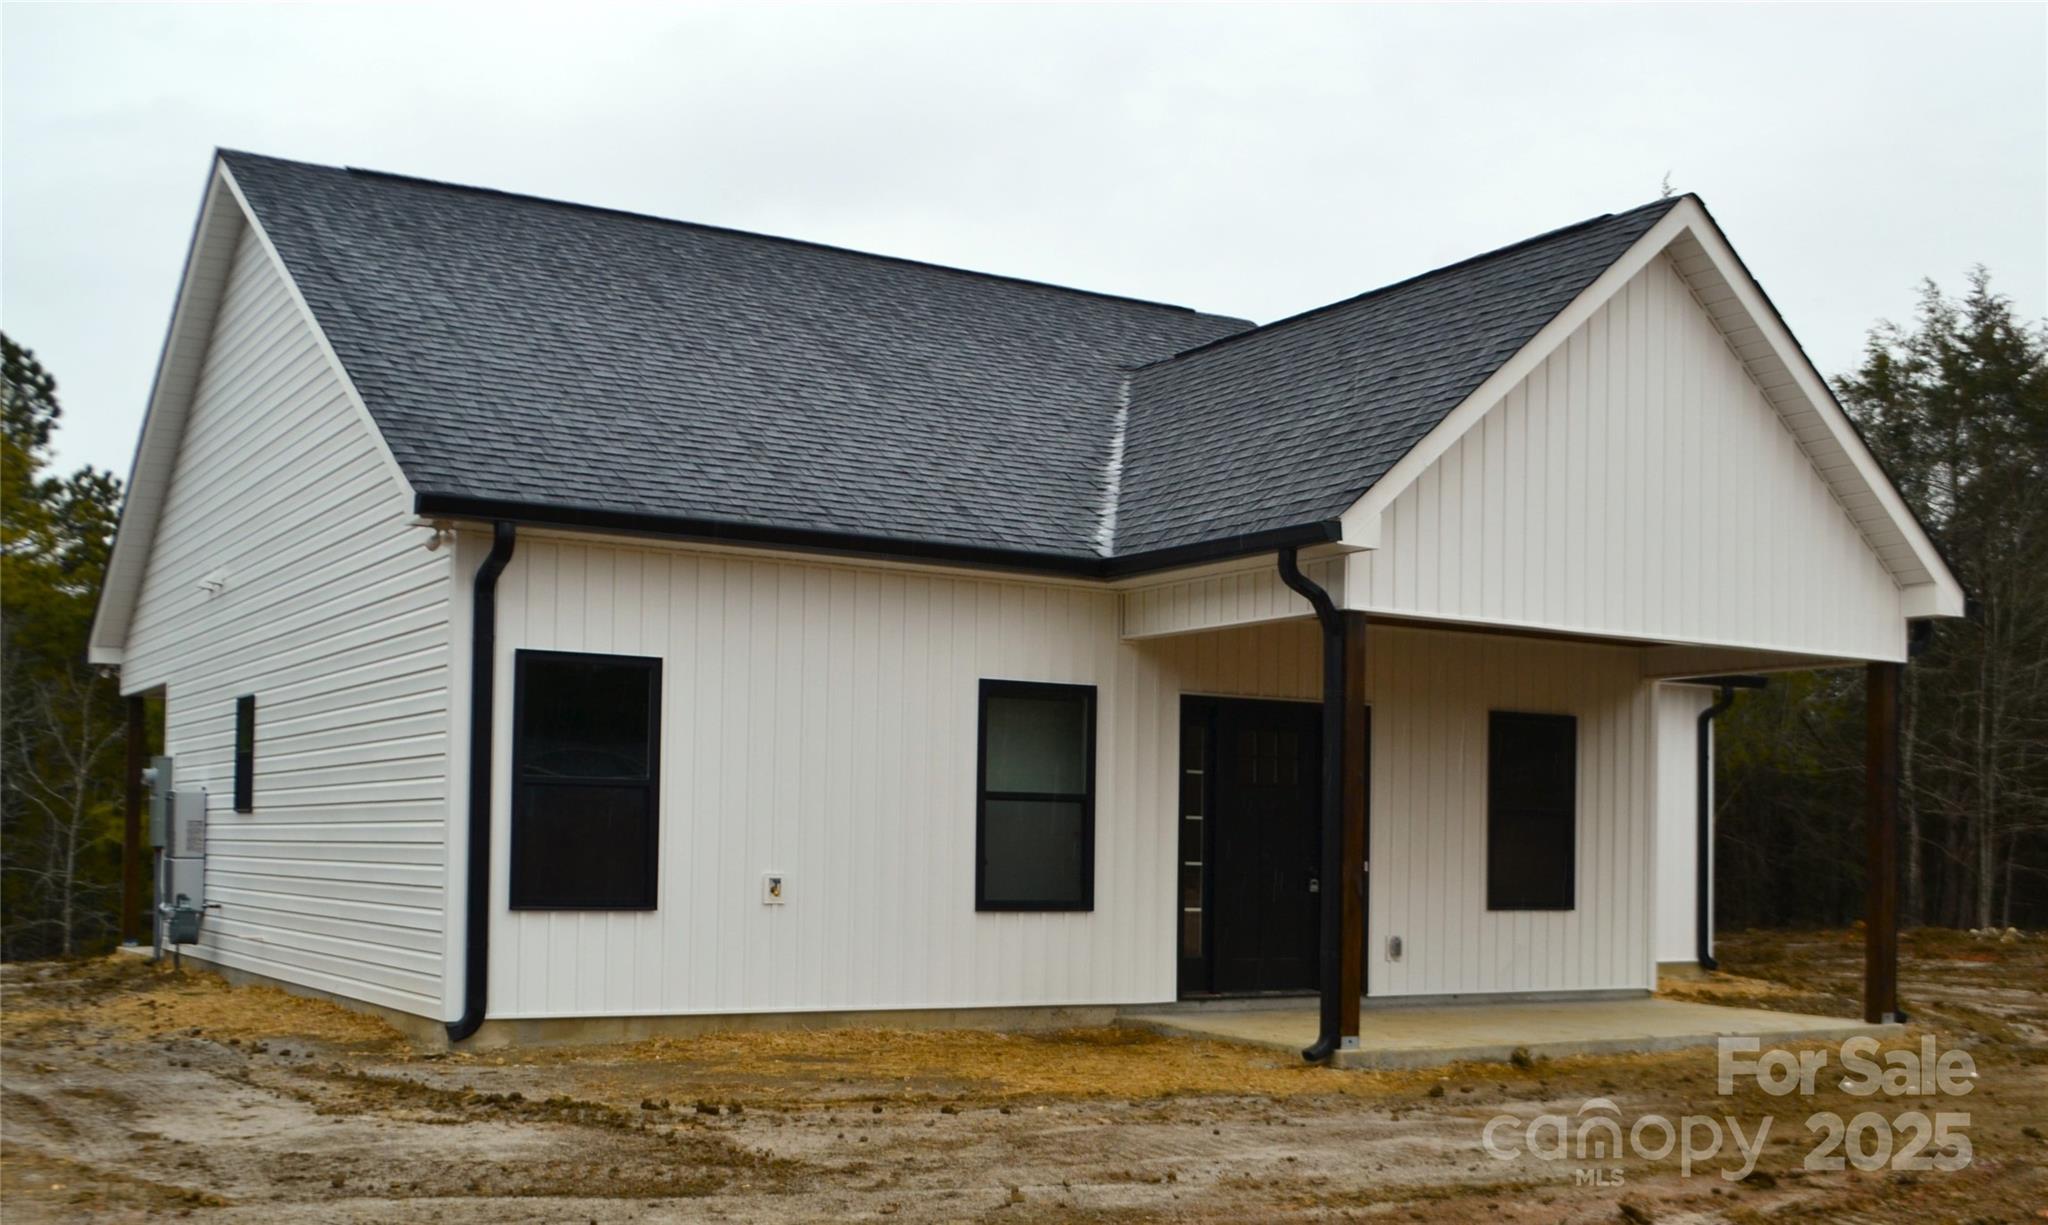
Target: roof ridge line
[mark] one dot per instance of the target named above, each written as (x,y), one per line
(1546,236)
(1113,468)
(707,227)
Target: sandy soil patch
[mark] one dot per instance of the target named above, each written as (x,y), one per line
(129,1094)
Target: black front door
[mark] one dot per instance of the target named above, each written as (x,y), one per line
(1264,774)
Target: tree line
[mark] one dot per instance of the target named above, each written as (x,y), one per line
(1955,405)
(62,723)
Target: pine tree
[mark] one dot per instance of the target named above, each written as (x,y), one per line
(60,721)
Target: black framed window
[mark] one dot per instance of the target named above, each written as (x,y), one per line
(245,753)
(1532,772)
(1035,826)
(586,781)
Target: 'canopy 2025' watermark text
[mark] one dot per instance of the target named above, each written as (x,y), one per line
(1916,1139)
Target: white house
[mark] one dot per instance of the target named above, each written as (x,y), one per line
(575,614)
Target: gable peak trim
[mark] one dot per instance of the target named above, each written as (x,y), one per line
(1689,226)
(224,218)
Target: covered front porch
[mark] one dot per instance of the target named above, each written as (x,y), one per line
(1432,1035)
(1489,814)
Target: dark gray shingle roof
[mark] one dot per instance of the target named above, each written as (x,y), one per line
(528,352)
(586,364)
(1295,421)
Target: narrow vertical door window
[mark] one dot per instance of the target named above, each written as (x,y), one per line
(245,753)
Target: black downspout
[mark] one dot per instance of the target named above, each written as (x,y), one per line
(483,644)
(1333,802)
(1703,867)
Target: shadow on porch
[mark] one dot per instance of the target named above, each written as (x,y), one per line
(1427,1035)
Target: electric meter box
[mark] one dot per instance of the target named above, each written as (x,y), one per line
(187,834)
(182,885)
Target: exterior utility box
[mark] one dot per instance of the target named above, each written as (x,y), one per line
(181,887)
(158,776)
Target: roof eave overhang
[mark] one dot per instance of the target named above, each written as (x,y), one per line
(687,529)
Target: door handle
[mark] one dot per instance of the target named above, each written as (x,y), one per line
(1315,884)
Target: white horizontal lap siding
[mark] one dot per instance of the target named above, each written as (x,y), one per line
(1637,483)
(821,720)
(1431,693)
(336,619)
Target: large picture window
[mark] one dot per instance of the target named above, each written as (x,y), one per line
(1531,806)
(1035,836)
(585,781)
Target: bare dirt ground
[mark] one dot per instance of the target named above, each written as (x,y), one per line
(128,1093)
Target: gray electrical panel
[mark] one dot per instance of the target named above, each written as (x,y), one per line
(158,776)
(181,880)
(188,826)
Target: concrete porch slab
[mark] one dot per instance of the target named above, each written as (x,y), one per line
(1430,1035)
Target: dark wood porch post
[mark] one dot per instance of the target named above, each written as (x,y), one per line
(131,833)
(1881,832)
(1351,973)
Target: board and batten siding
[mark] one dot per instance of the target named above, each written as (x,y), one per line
(1678,714)
(1431,692)
(820,720)
(331,613)
(1246,596)
(1639,484)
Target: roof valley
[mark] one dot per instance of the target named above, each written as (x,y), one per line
(1113,468)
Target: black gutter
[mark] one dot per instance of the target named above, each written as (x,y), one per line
(678,527)
(483,643)
(1703,781)
(1332,622)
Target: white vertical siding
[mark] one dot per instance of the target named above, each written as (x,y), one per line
(1431,693)
(1638,483)
(1677,731)
(1238,597)
(820,720)
(335,618)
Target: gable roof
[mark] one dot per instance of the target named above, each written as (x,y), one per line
(525,353)
(531,359)
(1293,422)
(558,364)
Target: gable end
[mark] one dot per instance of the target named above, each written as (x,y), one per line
(224,216)
(1753,331)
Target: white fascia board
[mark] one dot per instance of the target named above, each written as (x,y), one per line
(1362,521)
(200,286)
(1947,599)
(223,212)
(1925,600)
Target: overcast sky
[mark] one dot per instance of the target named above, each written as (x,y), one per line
(1248,160)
